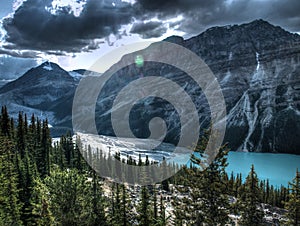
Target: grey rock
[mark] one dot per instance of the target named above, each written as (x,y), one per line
(257,66)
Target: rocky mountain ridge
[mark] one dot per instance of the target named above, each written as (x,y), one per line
(257,66)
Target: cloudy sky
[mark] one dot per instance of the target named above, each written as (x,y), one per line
(74,33)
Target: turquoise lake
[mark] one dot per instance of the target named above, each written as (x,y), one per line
(278,168)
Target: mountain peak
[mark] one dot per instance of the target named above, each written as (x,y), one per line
(47,72)
(254,26)
(258,36)
(49,66)
(260,22)
(264,25)
(174,39)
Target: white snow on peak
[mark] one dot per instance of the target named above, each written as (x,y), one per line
(75,75)
(48,66)
(257,61)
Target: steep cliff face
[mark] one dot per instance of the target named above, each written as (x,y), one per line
(257,66)
(260,81)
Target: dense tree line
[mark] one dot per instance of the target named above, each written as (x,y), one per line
(42,183)
(51,184)
(209,195)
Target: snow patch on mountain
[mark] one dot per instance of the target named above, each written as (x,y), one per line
(48,66)
(75,75)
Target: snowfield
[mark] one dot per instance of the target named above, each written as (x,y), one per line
(134,147)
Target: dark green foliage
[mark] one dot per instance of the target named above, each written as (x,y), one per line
(293,205)
(213,195)
(51,184)
(209,200)
(250,202)
(5,123)
(98,203)
(41,205)
(10,205)
(20,136)
(144,209)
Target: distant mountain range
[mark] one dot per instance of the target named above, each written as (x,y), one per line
(257,65)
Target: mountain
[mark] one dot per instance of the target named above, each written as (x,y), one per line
(39,91)
(257,65)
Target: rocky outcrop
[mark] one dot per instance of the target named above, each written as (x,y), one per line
(257,66)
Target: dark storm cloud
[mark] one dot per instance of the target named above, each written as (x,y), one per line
(34,27)
(201,14)
(19,53)
(149,30)
(142,27)
(168,6)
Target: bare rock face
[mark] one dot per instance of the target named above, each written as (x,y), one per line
(257,66)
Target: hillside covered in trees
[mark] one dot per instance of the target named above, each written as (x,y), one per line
(46,183)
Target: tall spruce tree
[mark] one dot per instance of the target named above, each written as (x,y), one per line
(144,208)
(10,205)
(213,193)
(98,203)
(20,135)
(251,214)
(293,205)
(125,208)
(5,122)
(69,197)
(41,203)
(28,173)
(209,203)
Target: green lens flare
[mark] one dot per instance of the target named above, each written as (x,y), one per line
(139,61)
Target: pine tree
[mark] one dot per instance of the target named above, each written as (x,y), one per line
(184,208)
(21,136)
(115,210)
(5,122)
(161,219)
(40,202)
(251,213)
(155,210)
(98,203)
(208,203)
(144,209)
(164,183)
(28,174)
(125,208)
(43,149)
(293,205)
(214,204)
(69,197)
(10,205)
